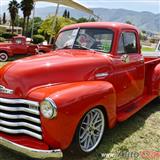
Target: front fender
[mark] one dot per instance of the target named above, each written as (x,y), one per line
(7,50)
(73,101)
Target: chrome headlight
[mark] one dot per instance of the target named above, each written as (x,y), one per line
(48,108)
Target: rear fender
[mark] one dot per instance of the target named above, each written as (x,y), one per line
(73,101)
(156,80)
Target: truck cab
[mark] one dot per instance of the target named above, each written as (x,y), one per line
(20,45)
(120,46)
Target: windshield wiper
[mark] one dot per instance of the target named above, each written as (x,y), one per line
(83,47)
(80,46)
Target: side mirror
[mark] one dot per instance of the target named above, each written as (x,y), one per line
(125,58)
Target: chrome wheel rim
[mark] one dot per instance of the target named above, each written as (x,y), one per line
(91,130)
(3,57)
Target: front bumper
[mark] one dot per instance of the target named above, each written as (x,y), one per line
(34,153)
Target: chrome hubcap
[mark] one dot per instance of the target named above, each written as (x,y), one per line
(3,56)
(91,130)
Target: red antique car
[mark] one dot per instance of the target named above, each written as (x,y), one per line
(95,78)
(20,46)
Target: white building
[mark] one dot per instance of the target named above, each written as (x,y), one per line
(8,29)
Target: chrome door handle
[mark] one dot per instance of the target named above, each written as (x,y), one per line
(125,58)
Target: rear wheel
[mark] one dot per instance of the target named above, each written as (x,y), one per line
(3,57)
(90,132)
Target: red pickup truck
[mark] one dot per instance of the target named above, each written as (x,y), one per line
(20,46)
(64,100)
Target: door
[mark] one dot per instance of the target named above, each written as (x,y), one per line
(128,68)
(20,46)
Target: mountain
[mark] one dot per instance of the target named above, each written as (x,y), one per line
(144,20)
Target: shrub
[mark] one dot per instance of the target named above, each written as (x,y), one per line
(1,33)
(2,39)
(38,39)
(143,37)
(7,35)
(152,40)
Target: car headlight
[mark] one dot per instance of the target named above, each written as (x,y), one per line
(48,108)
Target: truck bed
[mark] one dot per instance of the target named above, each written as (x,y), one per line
(151,59)
(151,54)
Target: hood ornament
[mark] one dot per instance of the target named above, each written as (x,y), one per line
(5,90)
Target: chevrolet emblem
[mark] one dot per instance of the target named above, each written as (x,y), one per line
(5,90)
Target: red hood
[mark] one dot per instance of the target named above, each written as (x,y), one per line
(61,66)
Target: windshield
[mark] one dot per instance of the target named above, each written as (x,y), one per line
(86,38)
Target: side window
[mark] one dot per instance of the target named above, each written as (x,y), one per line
(121,45)
(128,43)
(18,41)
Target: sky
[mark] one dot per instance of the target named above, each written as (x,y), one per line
(136,5)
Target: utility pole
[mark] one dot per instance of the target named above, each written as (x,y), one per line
(33,19)
(54,22)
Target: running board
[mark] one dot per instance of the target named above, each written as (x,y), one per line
(134,107)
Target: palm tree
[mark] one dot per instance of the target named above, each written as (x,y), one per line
(13,10)
(26,7)
(4,18)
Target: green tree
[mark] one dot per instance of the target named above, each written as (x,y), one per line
(152,40)
(65,13)
(13,10)
(37,24)
(92,20)
(18,21)
(46,27)
(143,37)
(68,14)
(82,20)
(143,31)
(128,22)
(4,18)
(73,19)
(26,7)
(38,39)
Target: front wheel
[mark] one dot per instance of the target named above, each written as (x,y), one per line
(90,131)
(3,57)
(41,52)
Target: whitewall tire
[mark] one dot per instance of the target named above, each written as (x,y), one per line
(3,57)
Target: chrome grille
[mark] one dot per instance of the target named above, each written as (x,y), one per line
(19,116)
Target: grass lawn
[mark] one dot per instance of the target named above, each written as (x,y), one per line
(139,133)
(147,49)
